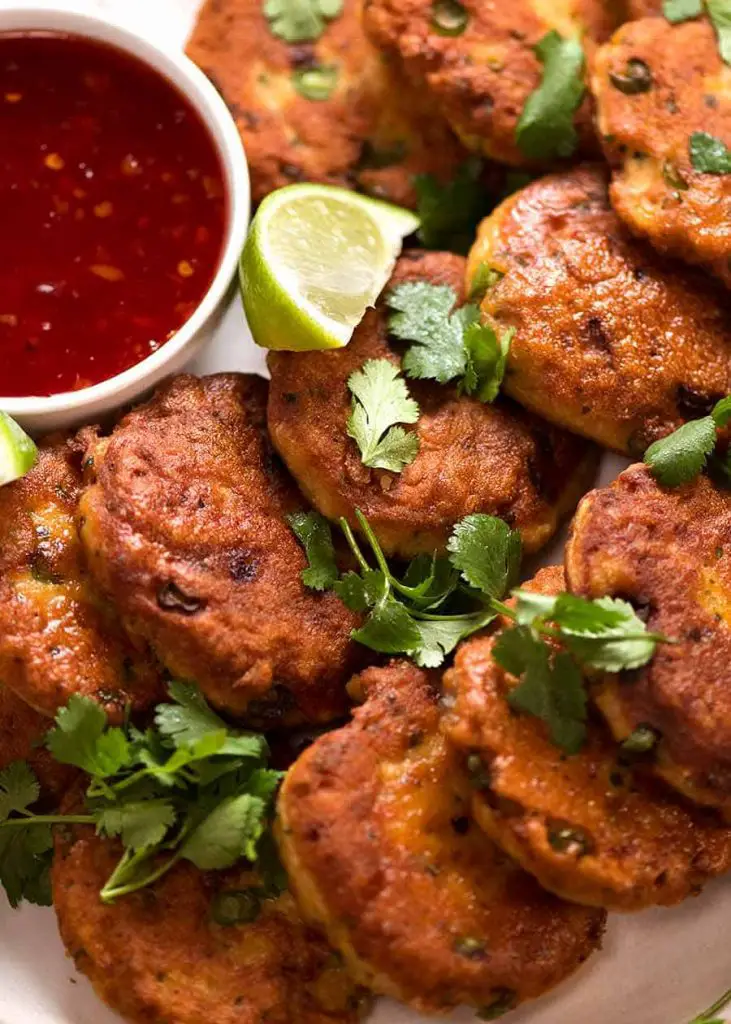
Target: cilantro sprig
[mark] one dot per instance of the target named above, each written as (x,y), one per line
(681,456)
(380,401)
(300,21)
(440,601)
(188,788)
(449,213)
(546,128)
(447,344)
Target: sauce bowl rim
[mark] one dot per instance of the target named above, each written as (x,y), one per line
(184,75)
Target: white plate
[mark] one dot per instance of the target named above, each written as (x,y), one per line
(660,967)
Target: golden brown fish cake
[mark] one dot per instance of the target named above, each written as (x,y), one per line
(473,457)
(585,825)
(58,636)
(669,553)
(655,84)
(374,831)
(160,954)
(374,132)
(185,529)
(480,78)
(611,340)
(22,732)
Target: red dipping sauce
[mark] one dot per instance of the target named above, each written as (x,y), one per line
(113,212)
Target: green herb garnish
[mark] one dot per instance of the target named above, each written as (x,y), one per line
(381,400)
(710,1015)
(447,343)
(440,601)
(300,21)
(316,83)
(719,11)
(546,129)
(709,154)
(681,456)
(313,533)
(189,788)
(449,213)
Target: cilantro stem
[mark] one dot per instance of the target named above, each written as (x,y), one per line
(719,1005)
(110,892)
(353,543)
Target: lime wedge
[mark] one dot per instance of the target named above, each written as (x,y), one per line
(315,259)
(18,454)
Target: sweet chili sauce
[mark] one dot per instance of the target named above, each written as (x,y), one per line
(113,212)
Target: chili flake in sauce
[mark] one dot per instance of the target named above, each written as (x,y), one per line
(113,212)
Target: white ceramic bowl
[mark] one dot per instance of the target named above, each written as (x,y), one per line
(42,414)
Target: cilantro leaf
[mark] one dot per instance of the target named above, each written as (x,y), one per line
(439,638)
(314,534)
(721,412)
(551,689)
(81,738)
(709,154)
(300,21)
(19,789)
(189,720)
(487,553)
(605,633)
(484,278)
(530,606)
(719,11)
(682,10)
(140,824)
(487,357)
(423,314)
(381,399)
(26,855)
(390,629)
(230,832)
(449,213)
(546,129)
(680,457)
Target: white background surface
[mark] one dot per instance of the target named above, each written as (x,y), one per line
(661,967)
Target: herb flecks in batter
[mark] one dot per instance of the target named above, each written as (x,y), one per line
(300,21)
(709,154)
(189,788)
(681,456)
(546,128)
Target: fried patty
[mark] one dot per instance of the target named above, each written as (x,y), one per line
(374,829)
(22,732)
(480,78)
(160,955)
(186,531)
(655,86)
(373,132)
(587,826)
(58,636)
(612,341)
(473,457)
(668,552)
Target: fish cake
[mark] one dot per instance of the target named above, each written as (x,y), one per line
(655,85)
(372,132)
(587,826)
(480,75)
(611,340)
(374,830)
(668,552)
(185,527)
(22,732)
(473,457)
(58,636)
(161,955)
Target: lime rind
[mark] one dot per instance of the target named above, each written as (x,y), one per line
(18,453)
(316,258)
